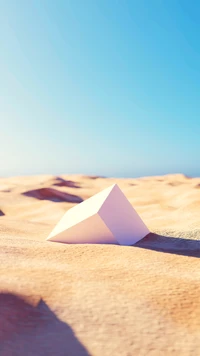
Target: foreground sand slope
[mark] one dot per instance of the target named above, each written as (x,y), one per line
(58,299)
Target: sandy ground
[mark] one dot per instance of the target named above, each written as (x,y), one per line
(99,300)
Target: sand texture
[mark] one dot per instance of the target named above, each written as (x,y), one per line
(99,300)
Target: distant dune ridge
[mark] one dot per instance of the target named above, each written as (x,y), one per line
(99,299)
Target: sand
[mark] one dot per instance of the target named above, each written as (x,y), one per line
(99,300)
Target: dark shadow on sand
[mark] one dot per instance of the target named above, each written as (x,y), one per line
(60,182)
(93,177)
(26,330)
(168,244)
(53,195)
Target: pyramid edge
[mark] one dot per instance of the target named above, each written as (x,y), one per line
(137,239)
(111,189)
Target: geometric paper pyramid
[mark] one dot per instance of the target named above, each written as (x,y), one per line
(105,218)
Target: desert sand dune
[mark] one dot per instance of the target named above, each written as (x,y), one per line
(58,299)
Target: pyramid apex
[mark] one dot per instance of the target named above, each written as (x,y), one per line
(113,185)
(109,189)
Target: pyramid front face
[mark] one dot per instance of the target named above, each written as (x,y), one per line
(79,213)
(107,218)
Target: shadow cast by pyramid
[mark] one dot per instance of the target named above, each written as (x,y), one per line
(26,330)
(168,244)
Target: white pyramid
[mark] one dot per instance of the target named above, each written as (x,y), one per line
(107,217)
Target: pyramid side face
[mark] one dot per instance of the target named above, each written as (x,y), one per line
(92,230)
(122,219)
(81,212)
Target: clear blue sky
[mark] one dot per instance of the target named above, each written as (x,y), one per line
(99,87)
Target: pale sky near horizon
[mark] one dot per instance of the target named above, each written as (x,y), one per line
(99,87)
